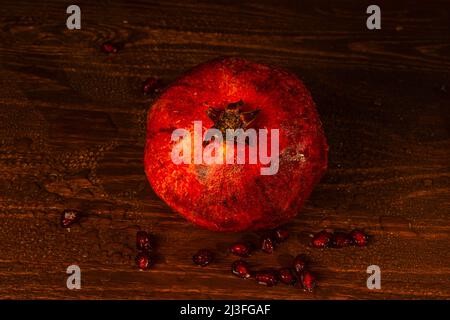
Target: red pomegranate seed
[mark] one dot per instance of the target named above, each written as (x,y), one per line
(151,85)
(143,241)
(267,244)
(340,240)
(287,276)
(299,263)
(143,260)
(267,278)
(203,257)
(281,235)
(308,280)
(240,269)
(240,249)
(321,239)
(359,238)
(69,217)
(109,47)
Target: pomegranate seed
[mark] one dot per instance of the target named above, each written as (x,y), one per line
(143,241)
(287,276)
(267,278)
(240,269)
(240,249)
(143,260)
(308,280)
(321,239)
(267,244)
(151,85)
(203,257)
(299,263)
(281,235)
(109,47)
(340,240)
(359,238)
(69,217)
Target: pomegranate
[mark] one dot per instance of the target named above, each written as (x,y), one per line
(226,195)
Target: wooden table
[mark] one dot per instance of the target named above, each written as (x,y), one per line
(72,135)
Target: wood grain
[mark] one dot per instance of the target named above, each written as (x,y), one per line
(73,127)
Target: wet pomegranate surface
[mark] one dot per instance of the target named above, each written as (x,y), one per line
(236,197)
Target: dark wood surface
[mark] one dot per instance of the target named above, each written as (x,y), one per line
(72,130)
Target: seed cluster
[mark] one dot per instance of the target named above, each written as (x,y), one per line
(145,246)
(339,239)
(297,275)
(271,239)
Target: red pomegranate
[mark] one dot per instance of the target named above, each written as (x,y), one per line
(234,93)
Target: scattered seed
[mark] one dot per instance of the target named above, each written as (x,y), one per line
(143,241)
(203,257)
(151,85)
(299,263)
(143,260)
(241,269)
(69,217)
(287,276)
(281,234)
(308,280)
(267,244)
(360,238)
(267,277)
(110,48)
(321,239)
(240,249)
(341,240)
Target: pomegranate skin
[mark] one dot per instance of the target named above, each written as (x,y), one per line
(236,197)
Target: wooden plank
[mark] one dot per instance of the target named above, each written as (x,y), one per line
(73,128)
